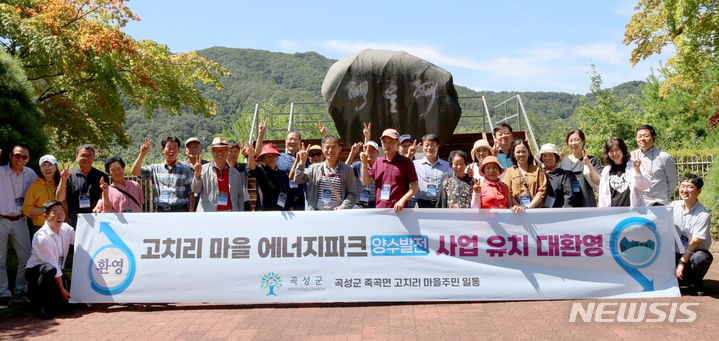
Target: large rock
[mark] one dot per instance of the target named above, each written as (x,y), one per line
(391,89)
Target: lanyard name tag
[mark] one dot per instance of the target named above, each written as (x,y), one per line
(60,261)
(293,184)
(222,199)
(575,186)
(364,196)
(84,201)
(432,190)
(327,195)
(165,196)
(524,200)
(281,199)
(549,201)
(384,194)
(19,202)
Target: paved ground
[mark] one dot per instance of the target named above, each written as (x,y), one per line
(488,320)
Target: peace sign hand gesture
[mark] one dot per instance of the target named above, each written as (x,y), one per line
(321,128)
(65,173)
(364,155)
(262,126)
(303,152)
(367,131)
(585,159)
(413,149)
(145,147)
(637,162)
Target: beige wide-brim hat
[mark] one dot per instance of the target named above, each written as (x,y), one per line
(548,148)
(219,142)
(487,160)
(478,145)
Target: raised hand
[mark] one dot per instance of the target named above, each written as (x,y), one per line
(262,126)
(303,152)
(321,128)
(356,148)
(413,149)
(637,162)
(364,155)
(103,185)
(145,147)
(585,159)
(65,173)
(250,151)
(198,168)
(367,131)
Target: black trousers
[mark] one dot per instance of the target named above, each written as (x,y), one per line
(43,290)
(422,203)
(698,266)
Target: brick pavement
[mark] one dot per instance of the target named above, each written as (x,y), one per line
(396,321)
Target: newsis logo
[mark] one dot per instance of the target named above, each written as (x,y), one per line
(634,312)
(271,281)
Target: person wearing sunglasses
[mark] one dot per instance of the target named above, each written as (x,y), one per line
(15,179)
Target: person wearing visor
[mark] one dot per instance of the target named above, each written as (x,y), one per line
(218,186)
(40,191)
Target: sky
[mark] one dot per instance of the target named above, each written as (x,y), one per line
(485,45)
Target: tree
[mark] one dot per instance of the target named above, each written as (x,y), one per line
(691,26)
(20,119)
(604,116)
(84,69)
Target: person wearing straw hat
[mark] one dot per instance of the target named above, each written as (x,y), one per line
(218,185)
(272,184)
(480,150)
(490,192)
(559,182)
(330,184)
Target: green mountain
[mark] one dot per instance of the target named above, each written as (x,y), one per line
(264,77)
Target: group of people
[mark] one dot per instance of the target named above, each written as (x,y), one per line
(505,175)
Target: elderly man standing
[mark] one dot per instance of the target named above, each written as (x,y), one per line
(693,226)
(657,165)
(431,170)
(15,179)
(218,185)
(503,143)
(171,180)
(83,189)
(193,150)
(394,175)
(330,184)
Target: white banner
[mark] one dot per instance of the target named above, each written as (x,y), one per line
(364,255)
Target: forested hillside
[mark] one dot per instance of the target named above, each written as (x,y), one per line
(281,78)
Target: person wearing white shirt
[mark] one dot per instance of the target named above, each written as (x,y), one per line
(15,179)
(48,288)
(658,166)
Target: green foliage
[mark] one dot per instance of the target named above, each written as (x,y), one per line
(691,26)
(709,197)
(606,117)
(20,119)
(83,69)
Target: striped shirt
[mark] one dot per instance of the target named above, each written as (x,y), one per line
(330,188)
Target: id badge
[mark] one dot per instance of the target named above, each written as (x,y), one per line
(19,202)
(165,196)
(281,199)
(524,200)
(327,195)
(432,191)
(61,261)
(364,196)
(575,186)
(222,199)
(293,184)
(384,194)
(549,201)
(685,241)
(84,201)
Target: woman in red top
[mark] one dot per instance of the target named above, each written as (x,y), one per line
(490,192)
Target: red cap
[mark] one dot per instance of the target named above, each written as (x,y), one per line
(268,149)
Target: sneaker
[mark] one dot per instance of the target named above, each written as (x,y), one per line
(4,302)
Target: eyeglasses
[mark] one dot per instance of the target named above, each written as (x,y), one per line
(314,154)
(21,157)
(47,165)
